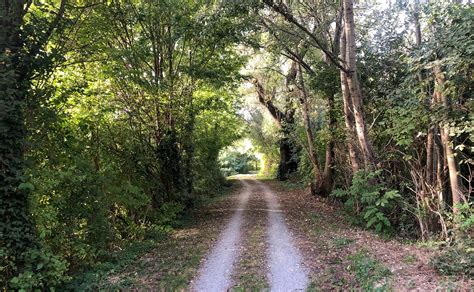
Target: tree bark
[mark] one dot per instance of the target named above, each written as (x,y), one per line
(354,87)
(452,164)
(348,114)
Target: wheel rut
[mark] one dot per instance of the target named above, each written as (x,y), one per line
(216,272)
(255,250)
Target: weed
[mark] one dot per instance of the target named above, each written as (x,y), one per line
(341,242)
(409,259)
(369,273)
(456,261)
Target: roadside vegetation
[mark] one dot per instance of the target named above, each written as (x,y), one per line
(119,119)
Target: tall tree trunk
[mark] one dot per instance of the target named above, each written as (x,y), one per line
(17,234)
(348,114)
(328,174)
(354,87)
(323,179)
(452,164)
(316,185)
(416,18)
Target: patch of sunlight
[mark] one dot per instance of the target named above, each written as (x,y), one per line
(185,233)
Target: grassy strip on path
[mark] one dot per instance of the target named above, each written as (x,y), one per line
(251,267)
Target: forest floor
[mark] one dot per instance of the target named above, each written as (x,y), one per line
(267,235)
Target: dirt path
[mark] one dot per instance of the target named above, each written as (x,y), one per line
(254,237)
(215,274)
(284,271)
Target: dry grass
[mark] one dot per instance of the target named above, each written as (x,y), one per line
(251,267)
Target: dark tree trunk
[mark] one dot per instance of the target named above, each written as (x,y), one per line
(288,150)
(288,159)
(17,233)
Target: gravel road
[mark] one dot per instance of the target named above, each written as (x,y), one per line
(216,272)
(285,270)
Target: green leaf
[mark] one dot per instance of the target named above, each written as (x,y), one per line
(378,227)
(371,221)
(26,186)
(369,212)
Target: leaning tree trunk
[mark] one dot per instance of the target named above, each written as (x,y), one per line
(323,181)
(288,150)
(313,157)
(354,87)
(17,233)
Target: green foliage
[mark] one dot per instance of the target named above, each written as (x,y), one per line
(369,201)
(119,145)
(42,270)
(456,260)
(234,162)
(464,219)
(370,274)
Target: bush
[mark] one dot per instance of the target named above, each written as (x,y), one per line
(456,261)
(368,201)
(41,267)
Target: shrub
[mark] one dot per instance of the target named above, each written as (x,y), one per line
(41,267)
(456,261)
(368,202)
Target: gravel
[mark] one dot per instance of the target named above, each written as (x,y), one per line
(216,272)
(286,270)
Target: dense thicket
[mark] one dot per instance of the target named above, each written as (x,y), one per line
(381,103)
(112,118)
(113,115)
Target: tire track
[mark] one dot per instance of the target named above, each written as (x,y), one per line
(286,272)
(216,272)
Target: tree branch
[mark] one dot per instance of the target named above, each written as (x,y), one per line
(267,102)
(283,10)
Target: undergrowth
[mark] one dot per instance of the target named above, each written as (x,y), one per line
(369,273)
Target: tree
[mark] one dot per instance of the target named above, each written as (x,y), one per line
(18,55)
(350,77)
(285,119)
